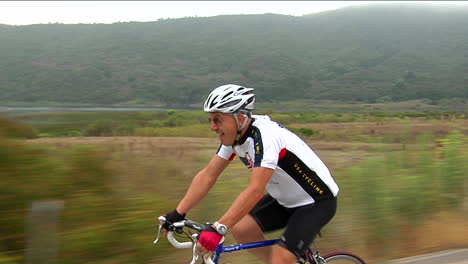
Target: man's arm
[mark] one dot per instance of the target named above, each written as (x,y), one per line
(248,198)
(202,183)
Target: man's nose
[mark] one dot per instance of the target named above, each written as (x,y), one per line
(213,126)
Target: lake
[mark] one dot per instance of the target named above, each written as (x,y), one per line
(16,110)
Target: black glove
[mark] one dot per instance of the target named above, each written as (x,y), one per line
(172,217)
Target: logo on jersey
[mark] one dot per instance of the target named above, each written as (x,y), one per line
(257,148)
(258,145)
(308,180)
(247,160)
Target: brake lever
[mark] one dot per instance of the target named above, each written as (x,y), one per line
(194,249)
(162,220)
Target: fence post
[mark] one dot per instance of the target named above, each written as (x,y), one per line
(42,232)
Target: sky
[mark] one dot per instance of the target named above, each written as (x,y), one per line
(72,12)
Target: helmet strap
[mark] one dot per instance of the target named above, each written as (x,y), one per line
(240,128)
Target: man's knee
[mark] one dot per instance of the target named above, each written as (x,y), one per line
(281,255)
(240,228)
(247,226)
(247,230)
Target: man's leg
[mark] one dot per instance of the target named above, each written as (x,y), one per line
(304,224)
(267,215)
(280,255)
(246,231)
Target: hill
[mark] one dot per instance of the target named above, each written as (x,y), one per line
(375,53)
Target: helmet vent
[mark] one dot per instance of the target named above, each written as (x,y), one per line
(231,103)
(227,95)
(209,98)
(213,102)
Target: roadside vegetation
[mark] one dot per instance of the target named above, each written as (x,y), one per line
(194,123)
(398,172)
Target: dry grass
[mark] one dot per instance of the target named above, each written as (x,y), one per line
(408,128)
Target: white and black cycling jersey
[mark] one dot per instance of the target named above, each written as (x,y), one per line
(299,177)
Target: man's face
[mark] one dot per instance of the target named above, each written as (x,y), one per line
(225,126)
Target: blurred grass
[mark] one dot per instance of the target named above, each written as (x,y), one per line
(409,186)
(115,188)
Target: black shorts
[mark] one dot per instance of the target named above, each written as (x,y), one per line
(302,223)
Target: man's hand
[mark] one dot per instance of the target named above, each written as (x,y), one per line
(208,241)
(172,217)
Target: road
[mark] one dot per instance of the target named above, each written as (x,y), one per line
(456,256)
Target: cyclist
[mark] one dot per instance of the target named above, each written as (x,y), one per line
(301,193)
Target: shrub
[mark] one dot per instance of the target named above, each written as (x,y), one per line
(13,129)
(303,131)
(100,128)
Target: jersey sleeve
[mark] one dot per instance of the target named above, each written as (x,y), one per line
(225,152)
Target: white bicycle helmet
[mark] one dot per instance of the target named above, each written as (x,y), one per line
(230,98)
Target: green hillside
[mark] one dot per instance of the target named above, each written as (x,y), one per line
(376,53)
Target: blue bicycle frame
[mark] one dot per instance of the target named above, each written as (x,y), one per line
(232,248)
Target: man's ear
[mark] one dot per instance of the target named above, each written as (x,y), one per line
(241,118)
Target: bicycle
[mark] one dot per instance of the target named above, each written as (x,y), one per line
(184,227)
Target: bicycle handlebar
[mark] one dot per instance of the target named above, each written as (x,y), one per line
(177,244)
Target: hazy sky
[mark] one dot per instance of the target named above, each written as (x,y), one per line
(70,12)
